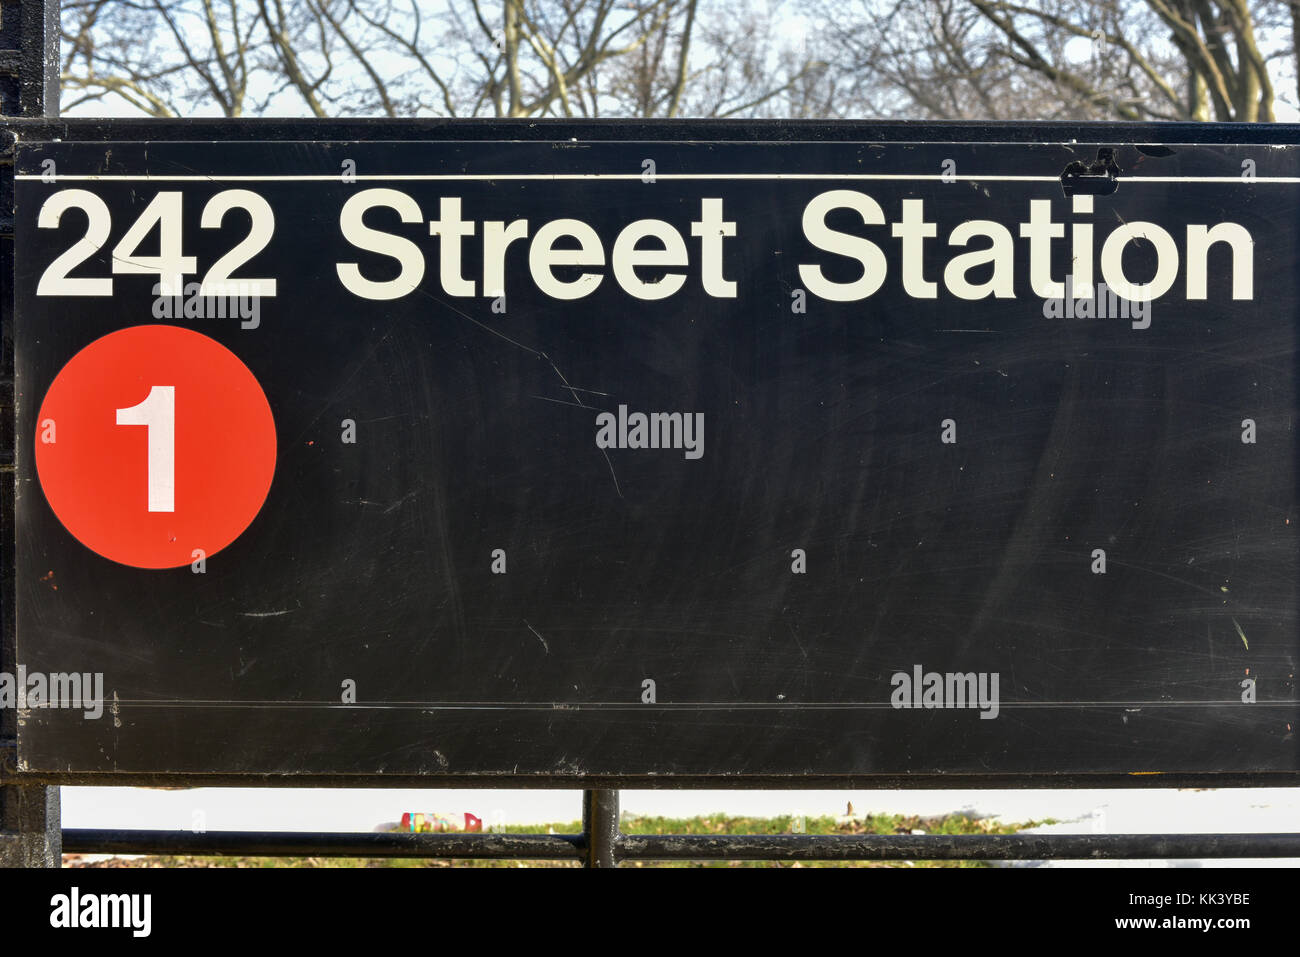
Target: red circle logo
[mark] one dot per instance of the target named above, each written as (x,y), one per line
(155,446)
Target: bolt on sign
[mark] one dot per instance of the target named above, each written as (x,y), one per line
(656,454)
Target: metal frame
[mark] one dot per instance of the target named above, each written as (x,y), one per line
(602,844)
(30,828)
(29,58)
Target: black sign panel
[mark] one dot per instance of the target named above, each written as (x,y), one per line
(573,459)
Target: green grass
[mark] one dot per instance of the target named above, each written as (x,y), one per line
(706,824)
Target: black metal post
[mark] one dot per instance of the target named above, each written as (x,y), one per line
(30,825)
(600,828)
(29,58)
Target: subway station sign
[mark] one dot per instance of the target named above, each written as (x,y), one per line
(574,458)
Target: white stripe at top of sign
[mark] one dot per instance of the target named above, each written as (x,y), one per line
(553,177)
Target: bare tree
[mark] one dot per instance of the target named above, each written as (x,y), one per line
(724,61)
(161,57)
(939,59)
(505,58)
(1084,59)
(1220,60)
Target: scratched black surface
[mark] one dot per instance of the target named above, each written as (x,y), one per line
(372,562)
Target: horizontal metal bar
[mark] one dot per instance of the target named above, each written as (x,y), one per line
(91,129)
(677,847)
(988,847)
(766,782)
(310,844)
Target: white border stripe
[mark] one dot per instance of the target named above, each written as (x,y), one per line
(487,177)
(552,177)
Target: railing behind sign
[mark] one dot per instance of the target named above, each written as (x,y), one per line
(30,826)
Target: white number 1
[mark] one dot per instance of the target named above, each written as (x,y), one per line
(158,413)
